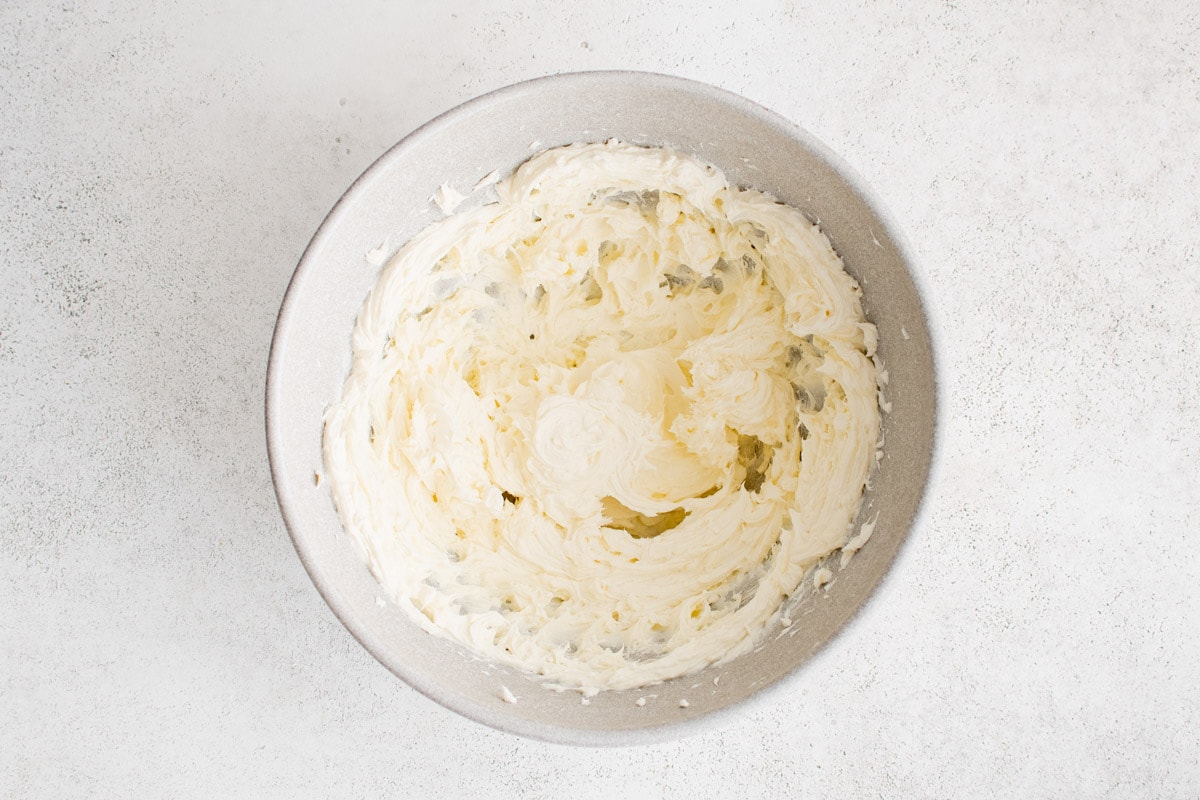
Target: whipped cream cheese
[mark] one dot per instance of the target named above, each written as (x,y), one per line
(601,428)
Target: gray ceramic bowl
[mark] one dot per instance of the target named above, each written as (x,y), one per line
(310,356)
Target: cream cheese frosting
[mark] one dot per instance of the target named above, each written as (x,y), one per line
(601,428)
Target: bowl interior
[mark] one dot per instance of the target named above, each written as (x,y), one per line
(310,358)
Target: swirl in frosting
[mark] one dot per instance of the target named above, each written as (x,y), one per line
(601,428)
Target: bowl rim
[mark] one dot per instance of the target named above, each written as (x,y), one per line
(564,734)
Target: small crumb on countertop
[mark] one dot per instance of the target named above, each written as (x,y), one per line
(316,479)
(641,701)
(684,704)
(507,696)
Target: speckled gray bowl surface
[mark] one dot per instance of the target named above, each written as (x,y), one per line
(310,356)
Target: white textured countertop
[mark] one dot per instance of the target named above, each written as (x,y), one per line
(162,167)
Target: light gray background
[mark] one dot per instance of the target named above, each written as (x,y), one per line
(162,167)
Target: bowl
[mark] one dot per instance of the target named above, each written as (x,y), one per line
(390,202)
